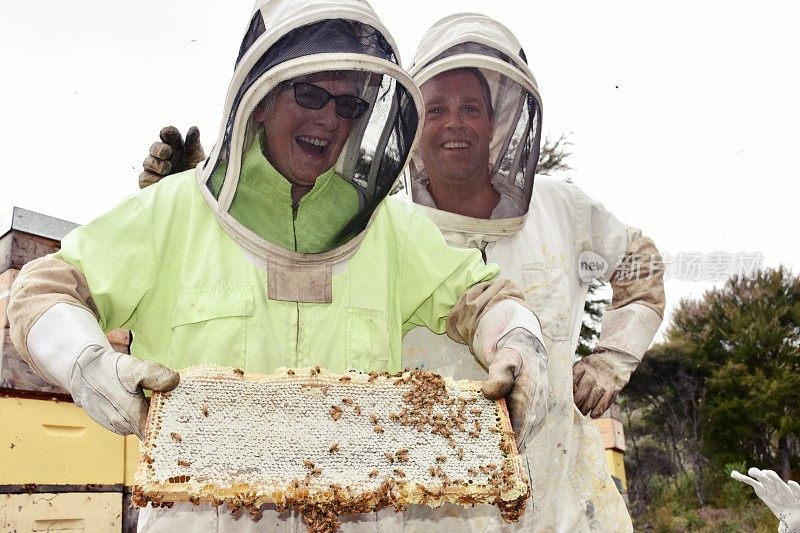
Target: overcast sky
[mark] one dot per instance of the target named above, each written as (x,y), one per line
(684,115)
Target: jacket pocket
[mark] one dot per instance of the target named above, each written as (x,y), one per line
(547,292)
(367,339)
(209,326)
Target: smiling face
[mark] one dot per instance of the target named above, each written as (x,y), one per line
(458,127)
(303,143)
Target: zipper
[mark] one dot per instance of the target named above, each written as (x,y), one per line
(295,209)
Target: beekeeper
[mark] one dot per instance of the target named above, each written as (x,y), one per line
(279,249)
(473,175)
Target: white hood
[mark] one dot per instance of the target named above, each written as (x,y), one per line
(287,39)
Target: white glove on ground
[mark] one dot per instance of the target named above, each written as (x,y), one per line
(782,498)
(69,349)
(506,342)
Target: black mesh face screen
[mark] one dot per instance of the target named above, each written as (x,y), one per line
(254,31)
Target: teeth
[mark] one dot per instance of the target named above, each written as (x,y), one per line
(315,142)
(460,144)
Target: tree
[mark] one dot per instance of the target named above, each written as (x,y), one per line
(747,335)
(554,154)
(593,309)
(725,386)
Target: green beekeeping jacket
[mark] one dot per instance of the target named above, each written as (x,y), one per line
(161,265)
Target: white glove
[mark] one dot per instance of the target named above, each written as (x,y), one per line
(782,498)
(508,342)
(69,349)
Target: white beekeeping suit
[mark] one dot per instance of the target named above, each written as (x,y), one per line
(536,236)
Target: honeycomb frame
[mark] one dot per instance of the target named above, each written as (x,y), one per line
(378,440)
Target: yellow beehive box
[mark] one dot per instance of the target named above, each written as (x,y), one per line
(616,465)
(56,443)
(131,458)
(70,511)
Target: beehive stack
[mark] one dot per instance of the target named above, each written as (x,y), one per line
(54,453)
(326,444)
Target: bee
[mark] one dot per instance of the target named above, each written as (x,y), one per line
(205,410)
(308,464)
(335,412)
(432,470)
(184,462)
(194,500)
(374,418)
(357,409)
(477,426)
(372,377)
(461,454)
(389,457)
(472,471)
(347,401)
(378,428)
(239,372)
(399,472)
(344,379)
(475,411)
(175,436)
(316,471)
(441,459)
(148,459)
(290,372)
(374,473)
(334,447)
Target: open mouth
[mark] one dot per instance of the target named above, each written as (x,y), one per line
(455,145)
(311,145)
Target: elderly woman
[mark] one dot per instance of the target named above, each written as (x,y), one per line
(280,249)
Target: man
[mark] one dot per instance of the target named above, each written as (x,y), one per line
(473,176)
(278,250)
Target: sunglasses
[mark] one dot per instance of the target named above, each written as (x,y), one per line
(313,96)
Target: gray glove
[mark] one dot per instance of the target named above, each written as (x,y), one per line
(508,343)
(518,373)
(171,155)
(782,498)
(595,385)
